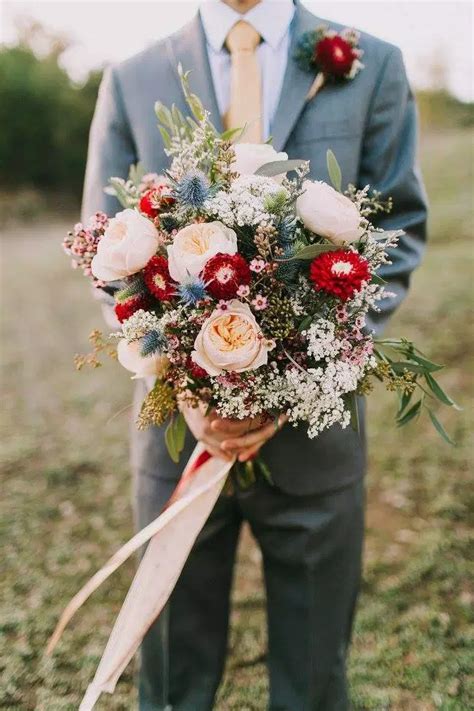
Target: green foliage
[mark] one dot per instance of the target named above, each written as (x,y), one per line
(175,434)
(334,170)
(45,121)
(439,109)
(277,167)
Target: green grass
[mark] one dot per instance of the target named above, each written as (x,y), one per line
(66,504)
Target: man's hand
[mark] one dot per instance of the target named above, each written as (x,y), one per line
(229,438)
(244,438)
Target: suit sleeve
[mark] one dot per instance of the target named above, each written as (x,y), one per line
(111,148)
(389,164)
(111,152)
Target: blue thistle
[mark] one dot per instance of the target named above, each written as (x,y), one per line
(287,272)
(193,189)
(152,342)
(192,291)
(286,231)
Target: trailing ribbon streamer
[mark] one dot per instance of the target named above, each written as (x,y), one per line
(171,536)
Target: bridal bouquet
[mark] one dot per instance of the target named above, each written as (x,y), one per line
(242,287)
(245,289)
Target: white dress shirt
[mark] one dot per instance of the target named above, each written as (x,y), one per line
(271,19)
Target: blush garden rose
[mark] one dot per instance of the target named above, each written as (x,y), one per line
(328,213)
(231,340)
(129,241)
(129,356)
(195,244)
(249,157)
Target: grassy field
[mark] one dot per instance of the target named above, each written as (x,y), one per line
(65,503)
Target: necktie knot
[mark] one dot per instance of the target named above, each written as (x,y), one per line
(242,38)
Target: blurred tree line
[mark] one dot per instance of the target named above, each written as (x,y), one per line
(45,116)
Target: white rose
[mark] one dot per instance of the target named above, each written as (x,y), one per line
(129,357)
(328,213)
(231,340)
(129,241)
(249,157)
(195,244)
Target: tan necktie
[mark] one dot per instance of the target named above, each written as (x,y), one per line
(246,86)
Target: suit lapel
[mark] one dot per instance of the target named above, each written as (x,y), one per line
(296,82)
(189,48)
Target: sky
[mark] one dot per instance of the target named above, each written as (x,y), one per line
(430,33)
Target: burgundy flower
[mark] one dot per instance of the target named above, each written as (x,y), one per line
(195,370)
(224,273)
(340,273)
(125,309)
(335,56)
(157,278)
(156,200)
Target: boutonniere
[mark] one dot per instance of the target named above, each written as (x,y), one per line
(334,56)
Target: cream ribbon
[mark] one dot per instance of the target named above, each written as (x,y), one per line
(171,537)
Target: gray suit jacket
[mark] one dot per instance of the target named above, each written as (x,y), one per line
(370,123)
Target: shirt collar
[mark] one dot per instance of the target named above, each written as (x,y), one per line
(271,19)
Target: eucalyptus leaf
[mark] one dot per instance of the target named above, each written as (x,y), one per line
(438,391)
(313,250)
(230,133)
(136,173)
(196,106)
(386,235)
(405,398)
(439,427)
(305,323)
(120,193)
(400,366)
(277,167)
(175,434)
(177,116)
(263,469)
(165,136)
(180,431)
(392,342)
(170,442)
(334,170)
(163,114)
(353,407)
(427,364)
(409,414)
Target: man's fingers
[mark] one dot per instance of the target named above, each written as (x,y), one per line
(250,453)
(253,438)
(217,451)
(235,427)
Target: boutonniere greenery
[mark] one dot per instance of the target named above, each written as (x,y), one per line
(333,56)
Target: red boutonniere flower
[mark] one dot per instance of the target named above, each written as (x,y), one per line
(334,56)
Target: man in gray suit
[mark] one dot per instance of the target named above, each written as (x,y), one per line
(309,524)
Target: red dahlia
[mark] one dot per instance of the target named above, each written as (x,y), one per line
(125,309)
(335,56)
(158,280)
(340,273)
(155,200)
(224,273)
